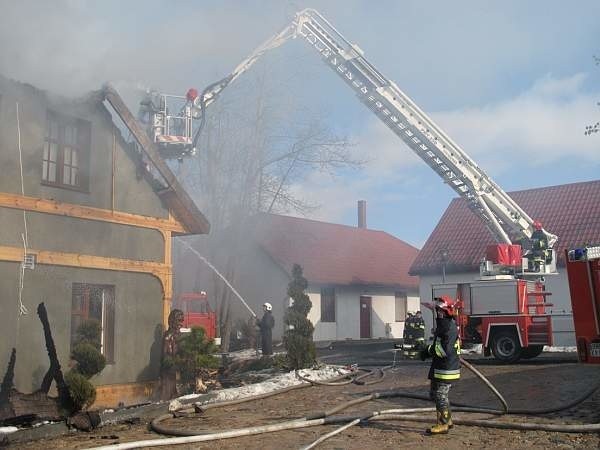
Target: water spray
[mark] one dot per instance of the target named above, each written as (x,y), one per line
(205,261)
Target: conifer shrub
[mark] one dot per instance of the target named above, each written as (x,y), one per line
(195,352)
(83,392)
(298,336)
(90,361)
(90,331)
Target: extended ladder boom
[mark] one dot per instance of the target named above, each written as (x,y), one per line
(382,96)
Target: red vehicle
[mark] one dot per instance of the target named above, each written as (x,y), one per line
(197,312)
(583,270)
(503,312)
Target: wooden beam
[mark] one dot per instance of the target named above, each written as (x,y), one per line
(163,272)
(41,205)
(159,270)
(167,279)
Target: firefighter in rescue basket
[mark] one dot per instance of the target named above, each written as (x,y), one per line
(445,367)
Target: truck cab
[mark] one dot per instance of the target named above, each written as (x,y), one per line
(197,312)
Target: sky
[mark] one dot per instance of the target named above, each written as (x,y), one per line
(513,83)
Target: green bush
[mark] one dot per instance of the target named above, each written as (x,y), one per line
(89,360)
(90,331)
(195,352)
(82,391)
(298,337)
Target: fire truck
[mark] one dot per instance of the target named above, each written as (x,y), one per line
(505,309)
(197,312)
(583,272)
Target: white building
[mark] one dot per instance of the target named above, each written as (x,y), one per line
(458,243)
(358,278)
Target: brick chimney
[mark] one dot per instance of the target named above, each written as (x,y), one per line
(362,214)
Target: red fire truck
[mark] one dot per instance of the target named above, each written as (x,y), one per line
(583,271)
(502,310)
(197,312)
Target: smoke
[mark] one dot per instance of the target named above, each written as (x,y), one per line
(70,47)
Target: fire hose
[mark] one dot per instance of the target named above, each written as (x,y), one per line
(328,418)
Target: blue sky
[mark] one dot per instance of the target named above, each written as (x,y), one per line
(513,82)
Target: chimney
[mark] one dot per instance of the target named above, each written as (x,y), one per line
(362,214)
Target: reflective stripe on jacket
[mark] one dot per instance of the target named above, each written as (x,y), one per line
(445,351)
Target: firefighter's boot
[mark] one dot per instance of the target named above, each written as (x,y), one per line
(444,423)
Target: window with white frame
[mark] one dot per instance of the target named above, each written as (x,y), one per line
(95,302)
(66,152)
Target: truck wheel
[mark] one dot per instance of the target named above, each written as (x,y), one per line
(532,351)
(506,347)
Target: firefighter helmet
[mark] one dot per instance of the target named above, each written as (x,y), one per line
(447,304)
(267,306)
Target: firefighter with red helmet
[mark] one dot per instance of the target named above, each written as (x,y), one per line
(445,367)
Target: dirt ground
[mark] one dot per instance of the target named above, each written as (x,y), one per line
(531,386)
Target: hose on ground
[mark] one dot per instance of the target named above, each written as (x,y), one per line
(530,426)
(248,431)
(333,433)
(396,414)
(479,375)
(327,416)
(377,395)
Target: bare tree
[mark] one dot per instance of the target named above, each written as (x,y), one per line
(255,145)
(594,128)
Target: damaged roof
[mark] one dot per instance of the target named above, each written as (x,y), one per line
(337,254)
(172,193)
(571,211)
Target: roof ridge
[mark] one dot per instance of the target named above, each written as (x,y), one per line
(325,223)
(555,186)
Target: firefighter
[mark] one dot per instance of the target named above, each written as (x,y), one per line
(408,342)
(419,331)
(266,325)
(540,253)
(168,370)
(445,367)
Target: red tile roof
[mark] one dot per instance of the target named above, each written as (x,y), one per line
(571,211)
(337,254)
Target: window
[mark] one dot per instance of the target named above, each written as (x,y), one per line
(95,302)
(328,305)
(66,152)
(400,308)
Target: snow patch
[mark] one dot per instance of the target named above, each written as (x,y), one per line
(277,382)
(7,430)
(559,349)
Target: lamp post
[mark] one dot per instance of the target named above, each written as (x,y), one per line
(444,259)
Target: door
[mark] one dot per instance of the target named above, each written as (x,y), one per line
(365,317)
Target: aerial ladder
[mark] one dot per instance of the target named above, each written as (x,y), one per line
(504,218)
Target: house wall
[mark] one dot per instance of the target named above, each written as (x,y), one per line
(139,297)
(347,313)
(562,313)
(131,194)
(138,329)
